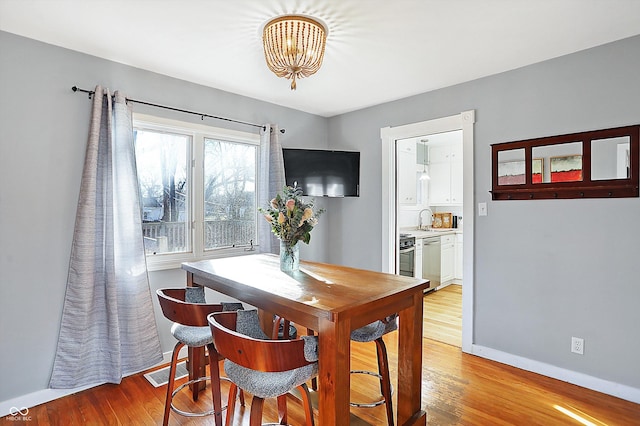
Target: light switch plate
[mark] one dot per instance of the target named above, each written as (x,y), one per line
(482,209)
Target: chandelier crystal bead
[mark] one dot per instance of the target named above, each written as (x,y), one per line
(294,46)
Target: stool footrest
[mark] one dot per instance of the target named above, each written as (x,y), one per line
(369,404)
(189,413)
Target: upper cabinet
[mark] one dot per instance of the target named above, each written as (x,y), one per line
(445,170)
(407,181)
(594,164)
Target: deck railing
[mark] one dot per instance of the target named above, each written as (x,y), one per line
(171,237)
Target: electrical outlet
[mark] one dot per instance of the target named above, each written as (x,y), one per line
(577,345)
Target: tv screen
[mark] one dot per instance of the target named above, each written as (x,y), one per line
(322,173)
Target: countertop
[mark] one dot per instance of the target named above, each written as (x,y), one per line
(431,233)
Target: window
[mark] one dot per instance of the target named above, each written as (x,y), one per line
(197,188)
(161,160)
(229,193)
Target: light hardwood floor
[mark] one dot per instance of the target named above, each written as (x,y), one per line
(443,315)
(458,389)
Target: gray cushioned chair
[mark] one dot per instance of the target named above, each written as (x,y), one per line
(264,367)
(188,310)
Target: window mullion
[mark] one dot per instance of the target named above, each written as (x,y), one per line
(198,195)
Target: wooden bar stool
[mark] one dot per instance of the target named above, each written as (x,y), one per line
(264,367)
(188,310)
(373,333)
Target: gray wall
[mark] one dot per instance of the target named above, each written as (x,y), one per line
(43,133)
(544,270)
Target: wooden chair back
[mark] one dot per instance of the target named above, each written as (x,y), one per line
(260,355)
(174,308)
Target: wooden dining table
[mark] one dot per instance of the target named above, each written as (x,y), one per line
(332,300)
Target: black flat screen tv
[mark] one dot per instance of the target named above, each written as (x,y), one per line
(322,173)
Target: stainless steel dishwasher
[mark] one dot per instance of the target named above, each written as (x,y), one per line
(431,261)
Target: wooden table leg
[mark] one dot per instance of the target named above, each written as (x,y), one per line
(334,339)
(410,365)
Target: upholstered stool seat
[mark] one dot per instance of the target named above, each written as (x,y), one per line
(271,384)
(375,330)
(191,336)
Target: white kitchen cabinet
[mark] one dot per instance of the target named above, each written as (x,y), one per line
(456,182)
(407,181)
(445,169)
(439,184)
(447,258)
(458,258)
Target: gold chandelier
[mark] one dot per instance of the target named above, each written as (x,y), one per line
(294,46)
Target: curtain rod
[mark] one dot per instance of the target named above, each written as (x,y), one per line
(202,115)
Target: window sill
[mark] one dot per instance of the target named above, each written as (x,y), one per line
(174,261)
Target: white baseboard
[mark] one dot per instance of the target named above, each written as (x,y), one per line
(605,386)
(46,395)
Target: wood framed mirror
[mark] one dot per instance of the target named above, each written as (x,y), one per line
(593,164)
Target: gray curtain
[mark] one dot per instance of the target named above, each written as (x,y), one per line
(271,182)
(108,327)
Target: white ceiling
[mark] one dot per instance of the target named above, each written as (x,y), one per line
(377,50)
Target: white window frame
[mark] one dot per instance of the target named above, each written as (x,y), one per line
(195,179)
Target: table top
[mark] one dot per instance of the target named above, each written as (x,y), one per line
(320,289)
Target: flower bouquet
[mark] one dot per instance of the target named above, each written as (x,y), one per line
(291,221)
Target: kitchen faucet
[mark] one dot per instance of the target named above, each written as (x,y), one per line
(420,218)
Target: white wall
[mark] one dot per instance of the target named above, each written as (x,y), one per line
(545,270)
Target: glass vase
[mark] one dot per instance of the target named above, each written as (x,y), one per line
(289,257)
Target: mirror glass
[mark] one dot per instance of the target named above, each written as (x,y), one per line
(511,170)
(610,158)
(557,163)
(537,170)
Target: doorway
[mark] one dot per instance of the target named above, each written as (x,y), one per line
(390,227)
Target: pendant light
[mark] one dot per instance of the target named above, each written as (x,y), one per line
(424,175)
